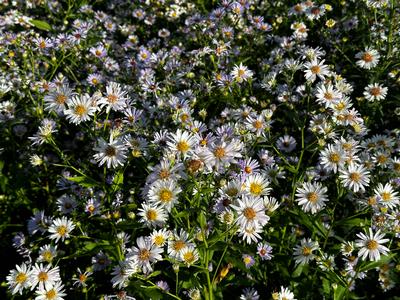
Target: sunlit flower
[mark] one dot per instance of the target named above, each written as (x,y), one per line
(367,59)
(112,153)
(311,196)
(60,229)
(355,177)
(371,245)
(164,193)
(45,276)
(241,73)
(314,69)
(80,109)
(19,278)
(251,212)
(145,254)
(55,292)
(303,253)
(374,92)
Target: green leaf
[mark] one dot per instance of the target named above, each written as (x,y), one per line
(92,245)
(339,292)
(375,264)
(352,222)
(202,220)
(83,181)
(297,272)
(118,180)
(326,287)
(41,25)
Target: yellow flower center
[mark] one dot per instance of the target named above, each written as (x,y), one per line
(165,195)
(91,208)
(306,251)
(247,260)
(184,117)
(62,230)
(312,197)
(334,157)
(372,245)
(315,69)
(328,96)
(249,213)
(257,124)
(219,152)
(21,278)
(151,214)
(60,98)
(381,159)
(340,106)
(386,196)
(112,98)
(367,57)
(47,255)
(51,294)
(182,146)
(255,188)
(188,257)
(159,240)
(241,73)
(82,277)
(80,110)
(144,254)
(248,170)
(43,276)
(179,245)
(355,177)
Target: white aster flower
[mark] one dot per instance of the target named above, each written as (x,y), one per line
(375,92)
(80,108)
(55,292)
(113,153)
(386,195)
(257,185)
(311,196)
(367,59)
(241,73)
(45,276)
(371,245)
(19,278)
(56,99)
(303,252)
(152,215)
(146,253)
(189,255)
(122,272)
(60,229)
(182,143)
(355,177)
(285,294)
(251,212)
(332,157)
(115,98)
(314,69)
(164,193)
